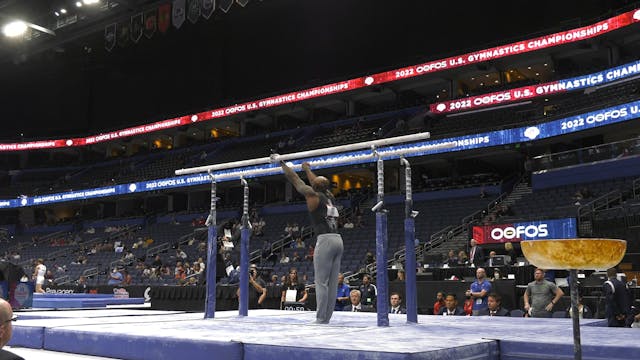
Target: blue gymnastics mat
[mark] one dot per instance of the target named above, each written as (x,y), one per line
(74,301)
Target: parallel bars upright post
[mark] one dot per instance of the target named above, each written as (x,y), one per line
(245,233)
(212,253)
(382,278)
(409,243)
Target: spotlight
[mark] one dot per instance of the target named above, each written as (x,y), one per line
(78,4)
(63,11)
(56,13)
(90,2)
(15,28)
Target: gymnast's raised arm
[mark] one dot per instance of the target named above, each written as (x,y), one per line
(295,180)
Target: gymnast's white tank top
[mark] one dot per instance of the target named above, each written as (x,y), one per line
(41,270)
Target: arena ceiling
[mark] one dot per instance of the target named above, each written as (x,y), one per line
(68,84)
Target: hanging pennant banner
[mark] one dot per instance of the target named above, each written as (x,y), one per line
(242,3)
(178,13)
(208,6)
(124,33)
(193,11)
(225,5)
(164,17)
(150,23)
(137,26)
(110,37)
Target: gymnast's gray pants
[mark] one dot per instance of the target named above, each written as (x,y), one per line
(326,264)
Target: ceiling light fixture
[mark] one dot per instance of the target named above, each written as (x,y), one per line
(14,28)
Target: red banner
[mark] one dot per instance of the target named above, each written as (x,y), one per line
(520,47)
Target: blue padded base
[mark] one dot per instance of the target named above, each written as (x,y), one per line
(277,335)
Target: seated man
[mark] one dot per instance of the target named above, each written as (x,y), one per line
(494,306)
(396,304)
(355,305)
(451,307)
(115,278)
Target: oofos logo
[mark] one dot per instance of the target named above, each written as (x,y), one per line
(511,232)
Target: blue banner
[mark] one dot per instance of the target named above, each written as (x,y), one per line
(590,120)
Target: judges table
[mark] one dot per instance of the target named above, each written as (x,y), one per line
(192,298)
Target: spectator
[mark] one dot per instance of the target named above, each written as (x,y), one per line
(401,276)
(6,330)
(617,300)
(395,301)
(479,290)
(127,278)
(583,310)
(257,289)
(356,305)
(288,229)
(81,285)
(201,263)
(295,257)
(494,306)
(284,259)
(179,272)
(266,250)
(310,252)
(439,302)
(368,291)
(157,261)
(274,281)
(181,255)
(492,255)
(452,259)
(369,259)
(293,288)
(511,253)
(462,258)
(115,278)
(342,296)
(541,295)
(476,254)
(348,224)
(299,244)
(451,307)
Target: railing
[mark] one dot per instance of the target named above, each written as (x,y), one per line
(153,251)
(120,262)
(91,272)
(66,279)
(305,233)
(600,203)
(636,188)
(613,150)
